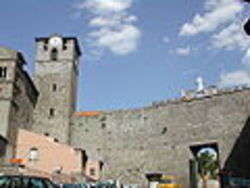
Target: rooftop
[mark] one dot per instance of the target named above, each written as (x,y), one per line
(78,49)
(87,113)
(9,54)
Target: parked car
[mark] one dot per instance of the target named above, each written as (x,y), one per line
(20,181)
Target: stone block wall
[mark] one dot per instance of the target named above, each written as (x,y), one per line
(133,142)
(24,99)
(56,125)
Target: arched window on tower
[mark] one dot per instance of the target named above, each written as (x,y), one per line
(54,54)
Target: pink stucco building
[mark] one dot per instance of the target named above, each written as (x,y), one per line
(44,156)
(43,153)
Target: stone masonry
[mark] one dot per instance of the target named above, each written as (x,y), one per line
(18,96)
(56,80)
(157,139)
(130,143)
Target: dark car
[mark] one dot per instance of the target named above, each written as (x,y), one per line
(19,181)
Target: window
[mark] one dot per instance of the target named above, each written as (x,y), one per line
(92,172)
(45,47)
(33,154)
(103,125)
(46,134)
(54,87)
(16,107)
(164,130)
(54,54)
(64,47)
(3,72)
(51,112)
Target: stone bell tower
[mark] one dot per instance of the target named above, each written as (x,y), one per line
(56,73)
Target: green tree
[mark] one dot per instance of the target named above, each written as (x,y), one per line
(208,166)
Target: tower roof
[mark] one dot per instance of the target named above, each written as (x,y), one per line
(9,54)
(78,49)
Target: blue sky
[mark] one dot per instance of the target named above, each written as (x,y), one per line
(137,51)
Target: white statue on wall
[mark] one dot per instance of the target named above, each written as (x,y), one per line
(200,84)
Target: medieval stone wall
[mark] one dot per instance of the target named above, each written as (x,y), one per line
(24,100)
(157,138)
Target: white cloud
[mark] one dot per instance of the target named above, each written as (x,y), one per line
(183,51)
(105,6)
(112,20)
(239,77)
(223,18)
(231,37)
(246,58)
(120,41)
(101,21)
(113,27)
(166,40)
(217,12)
(131,19)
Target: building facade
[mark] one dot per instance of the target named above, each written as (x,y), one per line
(18,96)
(45,154)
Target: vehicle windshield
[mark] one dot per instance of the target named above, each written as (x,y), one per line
(166,181)
(24,182)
